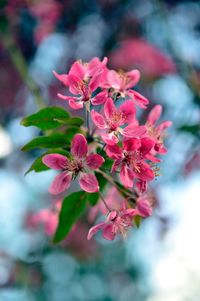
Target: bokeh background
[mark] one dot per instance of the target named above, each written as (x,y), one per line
(158,262)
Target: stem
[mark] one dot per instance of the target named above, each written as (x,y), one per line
(87,120)
(111,181)
(20,65)
(103,200)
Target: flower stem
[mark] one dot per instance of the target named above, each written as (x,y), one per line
(103,200)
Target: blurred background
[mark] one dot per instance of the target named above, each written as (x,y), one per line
(158,262)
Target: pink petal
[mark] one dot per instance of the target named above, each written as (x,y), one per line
(94,161)
(74,102)
(98,120)
(134,76)
(95,229)
(143,207)
(110,139)
(127,176)
(89,183)
(114,79)
(134,131)
(109,108)
(74,83)
(77,69)
(113,151)
(100,98)
(139,99)
(60,183)
(55,161)
(79,147)
(147,145)
(132,144)
(61,77)
(128,110)
(163,126)
(154,114)
(95,80)
(108,232)
(145,172)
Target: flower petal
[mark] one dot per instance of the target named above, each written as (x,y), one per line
(77,69)
(146,145)
(100,98)
(154,114)
(144,172)
(132,144)
(95,229)
(98,119)
(114,79)
(60,183)
(127,176)
(128,111)
(139,99)
(134,77)
(61,77)
(55,161)
(108,232)
(109,108)
(94,161)
(89,183)
(113,151)
(79,147)
(134,131)
(110,139)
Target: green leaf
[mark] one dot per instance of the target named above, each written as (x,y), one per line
(39,166)
(137,220)
(93,198)
(72,207)
(193,129)
(46,119)
(53,141)
(75,121)
(101,180)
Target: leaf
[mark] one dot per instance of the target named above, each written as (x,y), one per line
(75,121)
(101,180)
(72,207)
(53,141)
(137,220)
(193,129)
(46,118)
(39,166)
(93,198)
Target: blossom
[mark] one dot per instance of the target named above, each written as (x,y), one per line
(143,205)
(83,79)
(80,164)
(114,118)
(131,160)
(157,132)
(120,84)
(117,222)
(138,53)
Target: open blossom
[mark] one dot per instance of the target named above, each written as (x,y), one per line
(81,164)
(117,222)
(157,132)
(120,84)
(110,123)
(131,159)
(83,79)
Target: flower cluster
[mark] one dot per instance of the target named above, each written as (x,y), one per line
(112,133)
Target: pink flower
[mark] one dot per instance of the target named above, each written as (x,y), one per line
(120,84)
(157,132)
(80,164)
(117,222)
(131,160)
(138,53)
(143,206)
(114,118)
(47,216)
(83,79)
